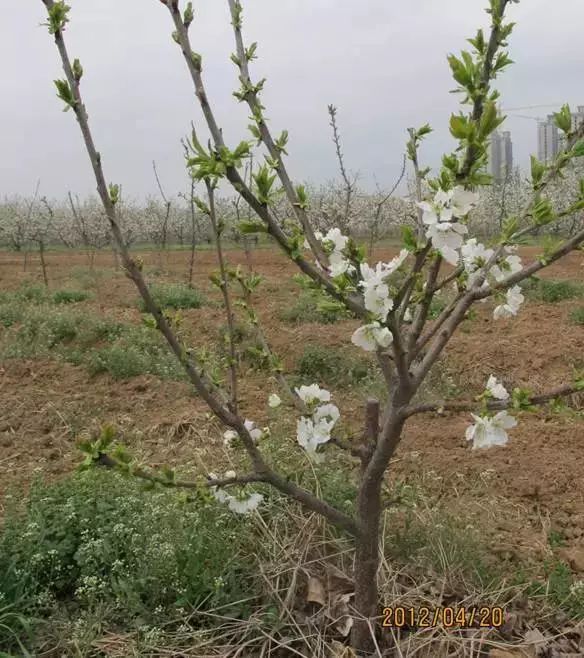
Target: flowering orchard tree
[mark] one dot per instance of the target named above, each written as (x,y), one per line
(392,299)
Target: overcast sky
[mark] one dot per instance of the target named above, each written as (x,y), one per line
(382,62)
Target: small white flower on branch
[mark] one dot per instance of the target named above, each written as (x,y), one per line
(438,215)
(372,336)
(228,437)
(512,304)
(274,401)
(240,504)
(490,431)
(509,265)
(375,287)
(315,430)
(244,505)
(328,413)
(310,435)
(496,389)
(255,432)
(474,256)
(313,394)
(335,243)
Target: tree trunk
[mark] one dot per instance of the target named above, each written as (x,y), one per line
(367,558)
(367,554)
(43,262)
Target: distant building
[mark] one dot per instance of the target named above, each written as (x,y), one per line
(548,140)
(500,155)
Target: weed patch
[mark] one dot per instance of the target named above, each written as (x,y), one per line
(549,291)
(174,295)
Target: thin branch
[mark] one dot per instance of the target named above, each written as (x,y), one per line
(349,186)
(109,462)
(251,97)
(224,286)
(352,301)
(493,405)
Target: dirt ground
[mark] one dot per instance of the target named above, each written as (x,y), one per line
(45,405)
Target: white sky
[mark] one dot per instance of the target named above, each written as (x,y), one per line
(382,62)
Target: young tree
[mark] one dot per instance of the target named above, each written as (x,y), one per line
(392,299)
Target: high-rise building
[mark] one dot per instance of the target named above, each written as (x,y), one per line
(500,155)
(548,139)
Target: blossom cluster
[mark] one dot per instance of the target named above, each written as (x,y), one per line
(315,429)
(378,301)
(255,432)
(335,243)
(489,430)
(240,504)
(440,217)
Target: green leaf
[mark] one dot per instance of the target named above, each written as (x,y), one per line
(537,171)
(65,93)
(77,70)
(577,150)
(264,182)
(188,15)
(250,227)
(459,126)
(114,193)
(409,238)
(57,17)
(563,119)
(302,197)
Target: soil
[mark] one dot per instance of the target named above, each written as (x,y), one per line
(46,405)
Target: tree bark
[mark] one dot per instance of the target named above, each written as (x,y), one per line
(367,555)
(367,558)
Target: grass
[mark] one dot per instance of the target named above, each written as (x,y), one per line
(85,339)
(69,296)
(549,291)
(312,307)
(98,541)
(176,296)
(577,315)
(332,366)
(96,556)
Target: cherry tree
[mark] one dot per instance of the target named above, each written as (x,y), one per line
(392,299)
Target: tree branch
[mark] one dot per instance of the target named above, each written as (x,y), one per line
(493,405)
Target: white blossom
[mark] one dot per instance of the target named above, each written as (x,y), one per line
(313,394)
(310,435)
(511,264)
(315,430)
(254,432)
(328,413)
(463,201)
(338,240)
(240,504)
(228,437)
(514,299)
(336,243)
(496,389)
(245,505)
(374,285)
(490,431)
(371,336)
(274,401)
(438,216)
